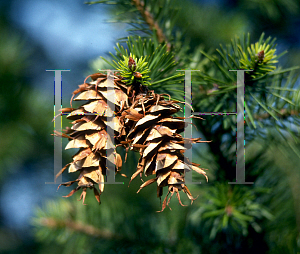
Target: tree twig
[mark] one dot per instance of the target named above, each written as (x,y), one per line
(79,227)
(151,22)
(284,113)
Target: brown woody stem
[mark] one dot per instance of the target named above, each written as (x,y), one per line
(151,22)
(78,227)
(284,113)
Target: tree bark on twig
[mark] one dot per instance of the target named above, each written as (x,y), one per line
(79,227)
(151,22)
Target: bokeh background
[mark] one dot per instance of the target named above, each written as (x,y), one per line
(37,35)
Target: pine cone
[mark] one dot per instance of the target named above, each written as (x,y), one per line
(156,137)
(142,122)
(89,133)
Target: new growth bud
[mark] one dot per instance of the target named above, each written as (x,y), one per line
(131,64)
(261,56)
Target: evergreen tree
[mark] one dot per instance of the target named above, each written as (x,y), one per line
(226,218)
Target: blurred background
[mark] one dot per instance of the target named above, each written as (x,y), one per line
(39,35)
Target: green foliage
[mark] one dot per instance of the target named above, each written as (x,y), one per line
(241,54)
(230,209)
(137,74)
(155,19)
(18,102)
(273,10)
(89,229)
(282,177)
(225,218)
(152,60)
(260,58)
(218,84)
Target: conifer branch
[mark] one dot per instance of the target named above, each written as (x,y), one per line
(78,227)
(151,22)
(284,114)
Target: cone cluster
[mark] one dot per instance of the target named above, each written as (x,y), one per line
(139,120)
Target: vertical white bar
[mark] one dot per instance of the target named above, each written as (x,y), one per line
(240,133)
(111,103)
(188,158)
(57,125)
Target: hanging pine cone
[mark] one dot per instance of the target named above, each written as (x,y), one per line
(156,137)
(142,122)
(89,133)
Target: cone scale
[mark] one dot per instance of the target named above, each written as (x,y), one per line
(142,122)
